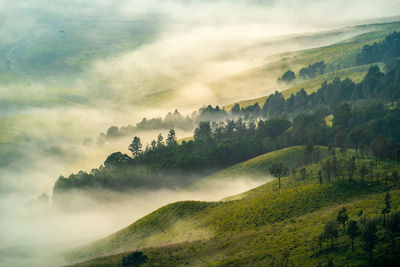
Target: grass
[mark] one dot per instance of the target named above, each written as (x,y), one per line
(261,246)
(260,165)
(356,74)
(339,57)
(252,230)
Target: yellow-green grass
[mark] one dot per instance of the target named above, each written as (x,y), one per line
(186,139)
(302,205)
(356,74)
(260,209)
(260,246)
(340,58)
(260,165)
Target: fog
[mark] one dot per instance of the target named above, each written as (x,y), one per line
(35,229)
(71,69)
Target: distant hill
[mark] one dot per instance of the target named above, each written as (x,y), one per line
(339,57)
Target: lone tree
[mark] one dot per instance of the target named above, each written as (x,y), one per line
(386,209)
(330,232)
(369,237)
(353,231)
(277,170)
(135,259)
(136,147)
(342,218)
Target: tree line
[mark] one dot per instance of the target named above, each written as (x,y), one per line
(309,72)
(216,145)
(384,51)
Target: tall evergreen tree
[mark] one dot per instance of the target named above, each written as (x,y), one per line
(353,231)
(136,147)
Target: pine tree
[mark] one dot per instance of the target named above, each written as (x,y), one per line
(136,147)
(342,218)
(353,231)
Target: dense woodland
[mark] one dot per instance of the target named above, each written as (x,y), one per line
(366,117)
(384,51)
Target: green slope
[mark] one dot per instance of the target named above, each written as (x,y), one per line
(146,232)
(266,243)
(260,165)
(339,58)
(233,226)
(356,74)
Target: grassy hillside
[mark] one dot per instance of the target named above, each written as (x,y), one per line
(260,165)
(339,58)
(354,73)
(252,230)
(267,244)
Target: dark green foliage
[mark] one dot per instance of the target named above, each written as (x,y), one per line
(312,70)
(160,141)
(136,147)
(375,86)
(383,147)
(330,263)
(287,77)
(135,259)
(369,238)
(394,229)
(386,50)
(342,218)
(320,177)
(353,231)
(351,167)
(363,172)
(278,170)
(330,232)
(386,209)
(370,127)
(171,139)
(203,132)
(117,159)
(274,105)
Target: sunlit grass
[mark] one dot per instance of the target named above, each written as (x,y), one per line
(255,229)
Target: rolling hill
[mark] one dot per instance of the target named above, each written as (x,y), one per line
(339,58)
(255,229)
